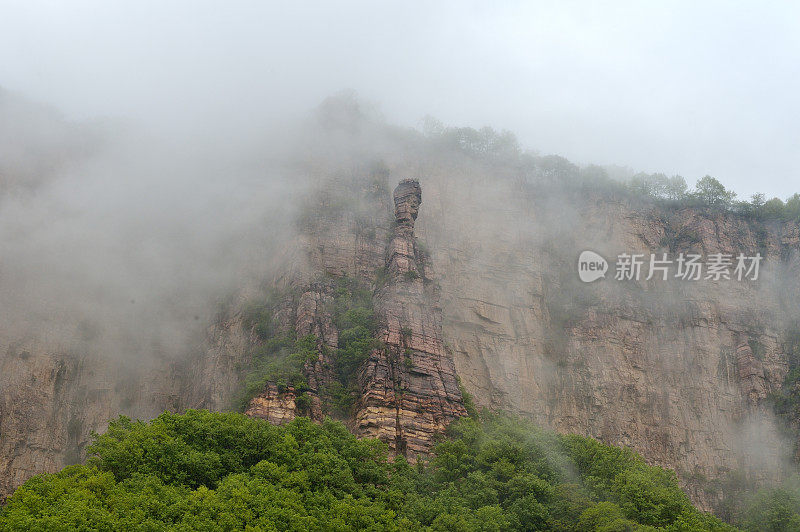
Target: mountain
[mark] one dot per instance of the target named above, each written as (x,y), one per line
(429,271)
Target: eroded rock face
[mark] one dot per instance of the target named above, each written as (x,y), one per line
(680,372)
(409,389)
(274,405)
(409,392)
(344,243)
(309,316)
(30,384)
(51,401)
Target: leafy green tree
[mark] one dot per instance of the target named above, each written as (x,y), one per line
(675,189)
(773,209)
(607,517)
(713,194)
(792,208)
(757,201)
(773,510)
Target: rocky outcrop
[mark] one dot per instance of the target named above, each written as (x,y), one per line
(679,371)
(409,388)
(334,242)
(275,405)
(409,391)
(310,315)
(666,368)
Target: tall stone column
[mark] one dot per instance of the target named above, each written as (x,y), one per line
(409,389)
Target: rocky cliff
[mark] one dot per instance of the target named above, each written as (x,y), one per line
(679,371)
(407,387)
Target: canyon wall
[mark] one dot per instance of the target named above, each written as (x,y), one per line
(408,391)
(680,371)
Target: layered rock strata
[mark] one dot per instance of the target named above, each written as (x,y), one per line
(680,372)
(309,316)
(409,391)
(409,388)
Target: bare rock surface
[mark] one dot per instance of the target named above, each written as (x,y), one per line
(679,371)
(409,389)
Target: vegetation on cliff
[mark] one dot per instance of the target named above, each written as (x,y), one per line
(501,149)
(212,471)
(755,506)
(354,317)
(786,400)
(279,357)
(280,360)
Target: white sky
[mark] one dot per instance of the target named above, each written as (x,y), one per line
(678,87)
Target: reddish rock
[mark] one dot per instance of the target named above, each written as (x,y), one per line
(409,389)
(277,407)
(311,317)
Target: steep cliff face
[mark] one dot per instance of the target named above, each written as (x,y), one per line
(54,394)
(309,314)
(679,371)
(51,400)
(407,388)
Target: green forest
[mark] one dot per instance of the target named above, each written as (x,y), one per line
(224,471)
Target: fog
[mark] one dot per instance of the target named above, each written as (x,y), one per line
(153,155)
(678,88)
(113,237)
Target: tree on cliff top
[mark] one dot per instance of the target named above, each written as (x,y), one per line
(711,193)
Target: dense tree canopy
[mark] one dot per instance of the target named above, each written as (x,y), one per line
(211,471)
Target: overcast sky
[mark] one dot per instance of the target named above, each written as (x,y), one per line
(678,87)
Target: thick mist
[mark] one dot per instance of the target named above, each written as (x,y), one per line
(117,241)
(124,244)
(679,88)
